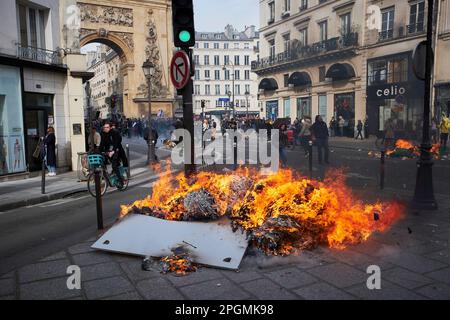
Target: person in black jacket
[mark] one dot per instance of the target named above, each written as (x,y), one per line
(320,136)
(50,151)
(154,137)
(118,135)
(111,146)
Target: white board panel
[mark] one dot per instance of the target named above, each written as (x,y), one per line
(209,243)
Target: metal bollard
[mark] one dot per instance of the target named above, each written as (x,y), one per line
(129,160)
(98,198)
(382,168)
(43,177)
(310,159)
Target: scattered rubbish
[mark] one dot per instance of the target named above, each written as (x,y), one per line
(177,264)
(147,264)
(200,205)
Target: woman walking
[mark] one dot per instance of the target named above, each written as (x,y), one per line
(305,135)
(50,151)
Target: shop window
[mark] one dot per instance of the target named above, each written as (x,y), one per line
(287,107)
(344,107)
(12,146)
(304,107)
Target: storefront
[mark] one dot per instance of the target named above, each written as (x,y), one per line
(304,107)
(12,151)
(394,93)
(39,115)
(442,99)
(344,106)
(272,110)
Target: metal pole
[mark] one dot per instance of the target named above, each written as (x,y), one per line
(310,159)
(98,198)
(382,168)
(43,172)
(424,192)
(129,160)
(247,110)
(188,118)
(234,107)
(150,155)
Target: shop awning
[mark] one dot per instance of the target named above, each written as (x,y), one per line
(298,79)
(340,71)
(268,84)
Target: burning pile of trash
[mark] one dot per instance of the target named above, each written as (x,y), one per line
(407,150)
(281,213)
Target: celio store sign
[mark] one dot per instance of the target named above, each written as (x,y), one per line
(387,91)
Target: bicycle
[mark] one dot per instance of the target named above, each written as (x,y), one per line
(106,179)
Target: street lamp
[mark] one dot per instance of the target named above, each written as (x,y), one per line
(229,100)
(149,70)
(247,96)
(424,193)
(232,84)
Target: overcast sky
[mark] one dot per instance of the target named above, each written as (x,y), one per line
(214,15)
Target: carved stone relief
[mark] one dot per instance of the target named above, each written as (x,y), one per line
(152,53)
(105,14)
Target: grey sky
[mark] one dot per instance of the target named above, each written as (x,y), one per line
(214,15)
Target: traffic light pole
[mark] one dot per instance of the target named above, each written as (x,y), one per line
(188,119)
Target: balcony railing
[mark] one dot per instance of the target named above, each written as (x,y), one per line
(416,28)
(401,32)
(40,55)
(299,52)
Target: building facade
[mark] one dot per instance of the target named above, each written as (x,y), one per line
(311,61)
(223,72)
(442,67)
(393,90)
(40,86)
(346,58)
(107,84)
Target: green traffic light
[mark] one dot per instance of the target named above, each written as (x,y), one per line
(184,36)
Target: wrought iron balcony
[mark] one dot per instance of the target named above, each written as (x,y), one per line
(416,28)
(386,35)
(299,52)
(40,56)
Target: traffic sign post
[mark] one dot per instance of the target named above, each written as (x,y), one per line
(180,69)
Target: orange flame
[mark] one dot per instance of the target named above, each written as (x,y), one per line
(320,212)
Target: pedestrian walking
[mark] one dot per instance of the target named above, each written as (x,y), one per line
(359,128)
(434,130)
(333,127)
(50,151)
(320,135)
(366,127)
(341,124)
(94,140)
(444,128)
(283,145)
(389,134)
(305,135)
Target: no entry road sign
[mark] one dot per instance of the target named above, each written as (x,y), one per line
(180,69)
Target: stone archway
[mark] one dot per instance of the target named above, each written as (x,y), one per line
(136,31)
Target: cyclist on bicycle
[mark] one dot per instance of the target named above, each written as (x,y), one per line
(111,146)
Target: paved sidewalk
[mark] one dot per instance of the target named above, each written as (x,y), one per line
(414,257)
(21,193)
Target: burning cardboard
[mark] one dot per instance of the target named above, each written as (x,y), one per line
(280,213)
(213,243)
